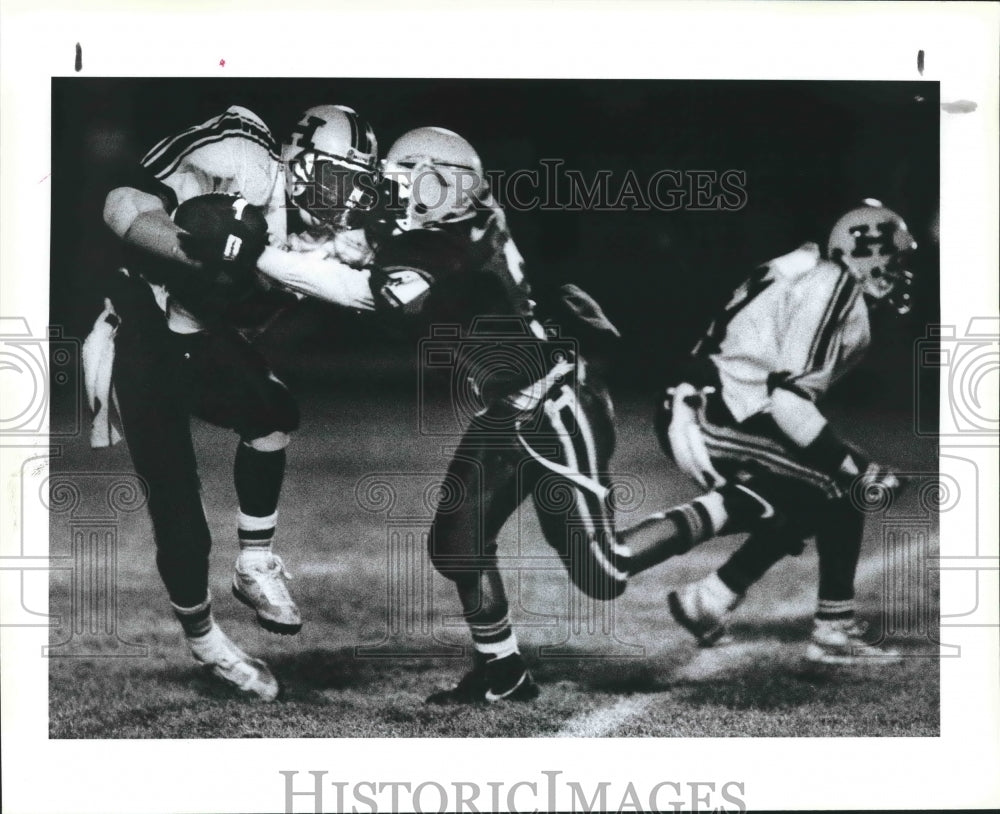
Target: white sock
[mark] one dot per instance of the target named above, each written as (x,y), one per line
(721,592)
(497,650)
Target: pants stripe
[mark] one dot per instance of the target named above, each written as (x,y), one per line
(590,484)
(552,411)
(723,441)
(588,438)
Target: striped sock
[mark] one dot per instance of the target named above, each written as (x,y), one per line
(494,640)
(196,621)
(256,533)
(829,609)
(672,533)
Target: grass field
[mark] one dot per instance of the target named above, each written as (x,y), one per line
(637,674)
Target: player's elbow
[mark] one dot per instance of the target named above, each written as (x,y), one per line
(124,204)
(118,215)
(797,417)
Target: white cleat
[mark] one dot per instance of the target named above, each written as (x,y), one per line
(217,653)
(703,607)
(840,641)
(259,583)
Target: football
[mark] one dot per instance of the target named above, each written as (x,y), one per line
(222,229)
(226,234)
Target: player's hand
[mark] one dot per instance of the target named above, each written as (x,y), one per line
(351,247)
(401,289)
(876,486)
(314,273)
(359,286)
(221,231)
(686,441)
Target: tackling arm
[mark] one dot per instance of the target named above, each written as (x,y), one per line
(316,274)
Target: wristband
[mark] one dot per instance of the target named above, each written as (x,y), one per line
(829,454)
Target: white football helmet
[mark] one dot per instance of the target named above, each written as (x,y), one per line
(330,163)
(873,243)
(438,177)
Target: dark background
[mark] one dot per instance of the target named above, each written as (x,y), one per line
(810,150)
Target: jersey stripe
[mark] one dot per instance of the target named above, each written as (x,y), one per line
(168,153)
(831,301)
(754,285)
(842,300)
(166,172)
(228,120)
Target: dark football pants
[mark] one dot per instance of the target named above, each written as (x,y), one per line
(161,379)
(560,456)
(757,448)
(807,502)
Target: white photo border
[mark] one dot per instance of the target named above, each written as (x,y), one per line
(766,40)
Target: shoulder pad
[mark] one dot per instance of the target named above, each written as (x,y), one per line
(796,263)
(246,113)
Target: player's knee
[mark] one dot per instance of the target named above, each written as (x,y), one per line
(284,412)
(276,416)
(604,590)
(463,571)
(793,544)
(442,562)
(452,554)
(272,442)
(600,579)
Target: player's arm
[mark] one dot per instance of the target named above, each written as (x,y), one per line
(316,274)
(140,219)
(812,320)
(800,419)
(410,266)
(822,448)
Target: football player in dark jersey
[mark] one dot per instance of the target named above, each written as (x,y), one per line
(170,316)
(540,416)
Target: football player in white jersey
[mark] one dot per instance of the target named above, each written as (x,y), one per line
(177,352)
(746,423)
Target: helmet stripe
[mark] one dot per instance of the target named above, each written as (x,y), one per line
(352,119)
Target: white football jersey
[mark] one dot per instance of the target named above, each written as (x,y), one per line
(233,153)
(798,322)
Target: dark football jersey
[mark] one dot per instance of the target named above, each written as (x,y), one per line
(479,297)
(474,263)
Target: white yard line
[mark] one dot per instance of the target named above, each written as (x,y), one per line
(609,719)
(606,720)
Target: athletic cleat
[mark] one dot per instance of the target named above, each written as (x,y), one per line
(505,679)
(259,583)
(840,641)
(217,653)
(702,608)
